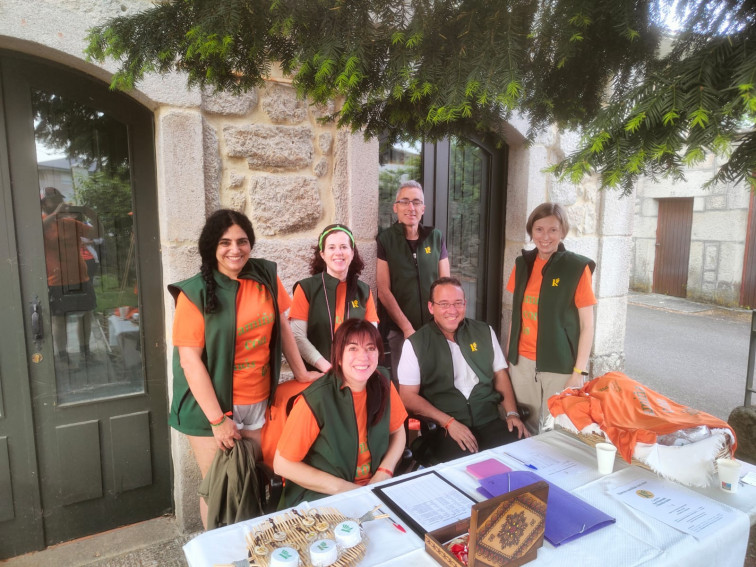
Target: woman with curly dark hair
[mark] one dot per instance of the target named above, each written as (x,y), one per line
(228,334)
(331,295)
(347,428)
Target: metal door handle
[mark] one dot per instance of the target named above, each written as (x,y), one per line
(36,319)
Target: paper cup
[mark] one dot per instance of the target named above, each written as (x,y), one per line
(729,474)
(605,453)
(123,311)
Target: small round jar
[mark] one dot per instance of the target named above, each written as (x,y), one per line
(284,557)
(347,533)
(323,552)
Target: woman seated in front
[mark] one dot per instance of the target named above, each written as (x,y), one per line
(347,428)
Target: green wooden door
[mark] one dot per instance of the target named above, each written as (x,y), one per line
(87,418)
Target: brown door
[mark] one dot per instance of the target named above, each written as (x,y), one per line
(673,246)
(748,288)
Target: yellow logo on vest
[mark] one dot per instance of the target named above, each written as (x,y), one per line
(474,347)
(555,282)
(427,249)
(355,303)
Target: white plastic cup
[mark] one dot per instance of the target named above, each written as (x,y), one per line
(123,311)
(605,453)
(729,474)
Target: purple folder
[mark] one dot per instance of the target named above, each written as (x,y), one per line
(567,516)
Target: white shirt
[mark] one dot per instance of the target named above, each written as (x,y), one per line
(465,378)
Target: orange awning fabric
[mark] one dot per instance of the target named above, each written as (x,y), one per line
(628,412)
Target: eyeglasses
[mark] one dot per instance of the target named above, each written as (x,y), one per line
(406,202)
(445,305)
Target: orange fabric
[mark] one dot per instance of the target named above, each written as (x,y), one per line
(302,429)
(628,412)
(254,319)
(276,417)
(65,264)
(529,335)
(300,307)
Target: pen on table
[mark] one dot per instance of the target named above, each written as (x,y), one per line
(535,468)
(397,525)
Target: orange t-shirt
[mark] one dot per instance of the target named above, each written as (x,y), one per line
(254,323)
(529,334)
(302,429)
(65,264)
(300,307)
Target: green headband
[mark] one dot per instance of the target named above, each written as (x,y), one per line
(328,231)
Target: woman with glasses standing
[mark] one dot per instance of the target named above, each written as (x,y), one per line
(410,258)
(551,332)
(322,302)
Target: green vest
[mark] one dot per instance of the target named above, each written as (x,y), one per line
(220,339)
(412,277)
(321,320)
(437,371)
(558,320)
(336,448)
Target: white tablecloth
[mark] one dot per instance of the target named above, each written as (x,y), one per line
(634,540)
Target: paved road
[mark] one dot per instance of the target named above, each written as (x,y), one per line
(697,359)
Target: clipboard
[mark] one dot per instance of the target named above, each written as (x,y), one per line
(406,498)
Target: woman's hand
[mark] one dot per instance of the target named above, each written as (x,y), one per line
(575,381)
(226,434)
(378,476)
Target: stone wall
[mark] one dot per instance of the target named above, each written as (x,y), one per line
(717,247)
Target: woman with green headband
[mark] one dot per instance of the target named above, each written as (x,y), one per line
(330,296)
(321,304)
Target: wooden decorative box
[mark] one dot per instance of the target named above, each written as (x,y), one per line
(506,530)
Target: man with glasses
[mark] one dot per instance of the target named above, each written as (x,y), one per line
(410,258)
(452,372)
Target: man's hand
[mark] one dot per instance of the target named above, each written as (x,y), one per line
(463,436)
(515,422)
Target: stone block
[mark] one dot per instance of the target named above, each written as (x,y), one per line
(699,204)
(325,142)
(213,167)
(282,106)
(181,175)
(616,216)
(649,207)
(711,256)
(716,202)
(320,168)
(292,255)
(186,482)
(235,199)
(710,276)
(612,276)
(229,104)
(270,147)
(721,225)
(610,317)
(743,421)
(738,196)
(322,110)
(611,362)
(235,179)
(181,260)
(563,192)
(284,204)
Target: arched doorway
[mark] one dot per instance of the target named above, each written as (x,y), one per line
(83,433)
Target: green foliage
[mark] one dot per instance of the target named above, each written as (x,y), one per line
(433,68)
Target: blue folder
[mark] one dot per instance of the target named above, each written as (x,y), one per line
(567,516)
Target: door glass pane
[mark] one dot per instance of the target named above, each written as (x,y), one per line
(86,207)
(468,182)
(398,162)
